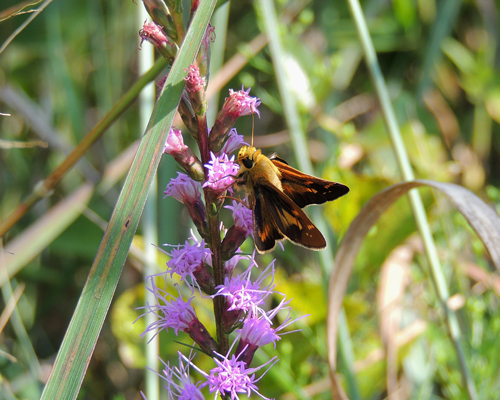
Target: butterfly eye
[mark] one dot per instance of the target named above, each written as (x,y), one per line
(247,162)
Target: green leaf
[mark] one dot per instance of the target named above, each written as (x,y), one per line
(81,337)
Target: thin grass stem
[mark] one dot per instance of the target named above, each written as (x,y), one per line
(149,223)
(415,199)
(301,151)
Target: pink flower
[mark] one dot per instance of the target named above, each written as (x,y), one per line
(232,377)
(221,172)
(233,142)
(240,103)
(153,33)
(175,142)
(188,259)
(184,189)
(236,105)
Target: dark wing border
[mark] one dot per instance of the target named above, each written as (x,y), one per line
(305,189)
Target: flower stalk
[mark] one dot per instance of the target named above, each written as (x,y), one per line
(208,265)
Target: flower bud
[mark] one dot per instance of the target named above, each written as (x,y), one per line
(204,279)
(195,86)
(201,337)
(187,114)
(159,13)
(155,35)
(234,238)
(231,318)
(188,191)
(184,155)
(203,56)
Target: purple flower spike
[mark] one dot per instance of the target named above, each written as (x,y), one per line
(221,172)
(178,383)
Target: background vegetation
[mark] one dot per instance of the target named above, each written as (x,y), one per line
(68,68)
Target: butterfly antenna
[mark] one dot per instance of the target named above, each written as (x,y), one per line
(253,125)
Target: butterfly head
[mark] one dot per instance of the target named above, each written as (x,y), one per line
(247,157)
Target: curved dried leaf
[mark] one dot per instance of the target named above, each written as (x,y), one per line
(481,217)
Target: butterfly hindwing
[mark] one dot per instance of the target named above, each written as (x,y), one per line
(305,189)
(278,216)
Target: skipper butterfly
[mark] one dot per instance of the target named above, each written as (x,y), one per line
(276,193)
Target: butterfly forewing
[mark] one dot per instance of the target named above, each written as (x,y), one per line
(305,189)
(288,220)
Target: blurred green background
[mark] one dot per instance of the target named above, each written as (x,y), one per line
(68,68)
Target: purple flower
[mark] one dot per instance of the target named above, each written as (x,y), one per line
(243,216)
(258,332)
(221,172)
(175,314)
(187,259)
(232,377)
(178,315)
(153,34)
(178,383)
(243,295)
(233,142)
(184,189)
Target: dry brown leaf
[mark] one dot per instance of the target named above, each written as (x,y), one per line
(481,217)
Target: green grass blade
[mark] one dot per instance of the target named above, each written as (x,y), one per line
(81,337)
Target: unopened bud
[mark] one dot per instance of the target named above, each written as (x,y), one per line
(155,35)
(188,116)
(195,86)
(203,57)
(159,13)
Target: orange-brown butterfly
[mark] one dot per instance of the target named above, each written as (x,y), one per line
(277,192)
